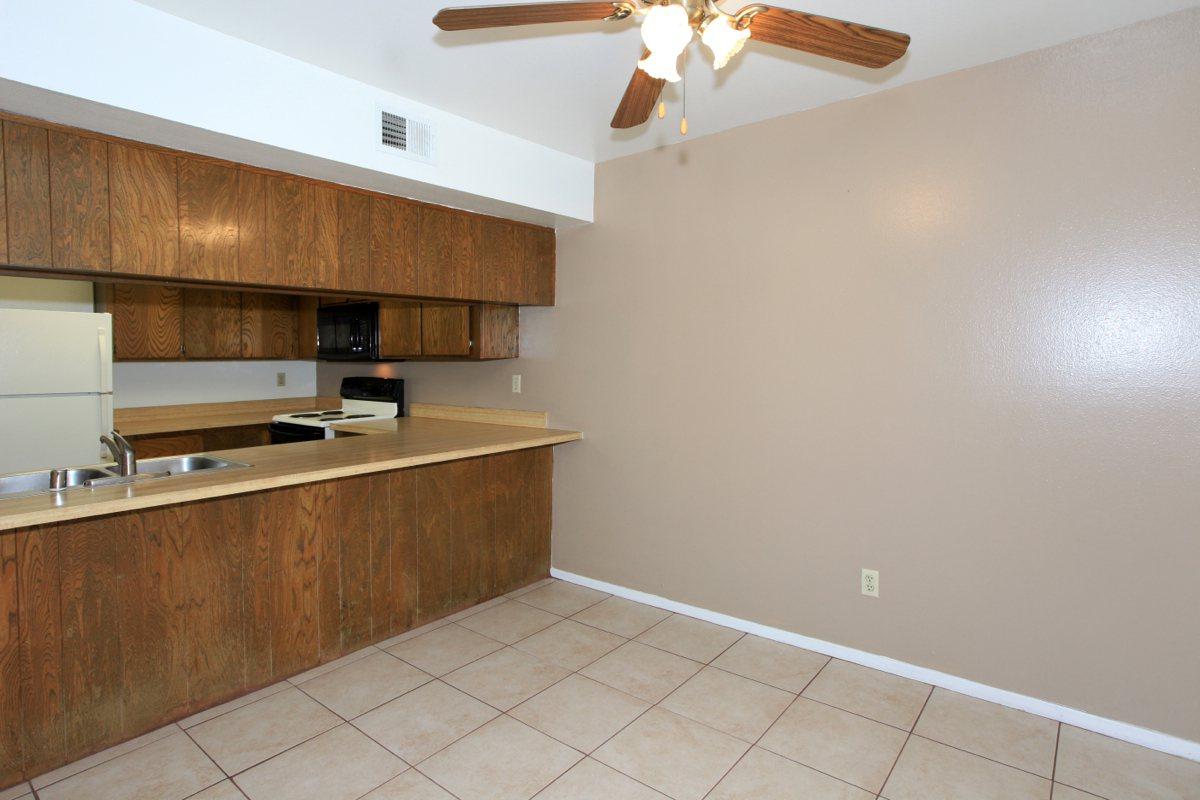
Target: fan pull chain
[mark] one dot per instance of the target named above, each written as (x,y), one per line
(683,120)
(662,109)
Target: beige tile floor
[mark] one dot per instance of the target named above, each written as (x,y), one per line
(558,692)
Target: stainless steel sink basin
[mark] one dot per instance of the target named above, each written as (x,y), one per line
(182,465)
(34,483)
(27,483)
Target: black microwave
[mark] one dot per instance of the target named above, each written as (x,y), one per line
(348,332)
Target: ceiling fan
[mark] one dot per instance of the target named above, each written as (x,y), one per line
(669,25)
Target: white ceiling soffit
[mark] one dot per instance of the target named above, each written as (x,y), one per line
(558,85)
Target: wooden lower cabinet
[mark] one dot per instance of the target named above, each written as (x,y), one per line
(155,445)
(113,626)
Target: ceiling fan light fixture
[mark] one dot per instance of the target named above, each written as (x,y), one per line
(666,31)
(724,38)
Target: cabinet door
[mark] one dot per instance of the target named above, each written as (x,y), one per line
(27,190)
(147,321)
(447,254)
(495,331)
(302,233)
(394,227)
(79,202)
(500,261)
(445,330)
(354,242)
(145,211)
(3,204)
(212,322)
(306,327)
(252,227)
(208,220)
(399,329)
(269,323)
(538,265)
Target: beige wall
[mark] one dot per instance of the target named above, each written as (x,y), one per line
(949,331)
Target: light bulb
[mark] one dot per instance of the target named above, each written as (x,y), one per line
(666,31)
(724,39)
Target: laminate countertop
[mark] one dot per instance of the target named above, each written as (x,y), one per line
(406,442)
(203,416)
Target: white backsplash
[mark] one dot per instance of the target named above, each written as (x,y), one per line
(164,383)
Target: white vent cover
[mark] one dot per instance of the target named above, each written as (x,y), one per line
(400,133)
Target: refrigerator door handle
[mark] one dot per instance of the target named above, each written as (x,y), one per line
(105,360)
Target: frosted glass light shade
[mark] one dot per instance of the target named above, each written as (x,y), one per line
(666,31)
(723,38)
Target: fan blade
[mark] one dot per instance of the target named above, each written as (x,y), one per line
(833,38)
(463,19)
(638,101)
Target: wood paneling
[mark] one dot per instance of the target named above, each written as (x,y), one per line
(252,227)
(394,231)
(208,220)
(41,651)
(10,664)
(92,661)
(447,260)
(113,626)
(150,561)
(27,194)
(445,330)
(79,202)
(147,320)
(269,326)
(144,202)
(495,330)
(399,329)
(212,321)
(435,541)
(354,242)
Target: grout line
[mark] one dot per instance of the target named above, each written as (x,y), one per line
(907,739)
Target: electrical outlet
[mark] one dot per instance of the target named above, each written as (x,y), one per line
(870,582)
(516,384)
(281,379)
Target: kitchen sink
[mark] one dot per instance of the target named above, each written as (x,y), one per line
(182,465)
(33,483)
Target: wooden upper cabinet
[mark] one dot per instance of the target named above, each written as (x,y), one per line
(252,226)
(445,330)
(208,220)
(79,202)
(399,329)
(3,205)
(145,211)
(354,242)
(302,233)
(500,266)
(394,227)
(27,192)
(447,258)
(495,331)
(269,326)
(212,323)
(537,265)
(147,320)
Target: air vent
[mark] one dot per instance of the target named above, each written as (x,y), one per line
(406,135)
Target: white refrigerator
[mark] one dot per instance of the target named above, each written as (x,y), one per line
(55,388)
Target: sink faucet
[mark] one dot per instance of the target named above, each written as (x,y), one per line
(122,451)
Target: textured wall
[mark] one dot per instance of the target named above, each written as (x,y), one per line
(949,331)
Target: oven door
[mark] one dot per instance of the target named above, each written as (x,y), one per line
(348,332)
(286,433)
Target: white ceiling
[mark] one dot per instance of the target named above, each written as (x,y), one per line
(558,85)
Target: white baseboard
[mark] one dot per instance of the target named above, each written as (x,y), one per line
(1081,719)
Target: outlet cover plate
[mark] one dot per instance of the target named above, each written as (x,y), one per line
(870,582)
